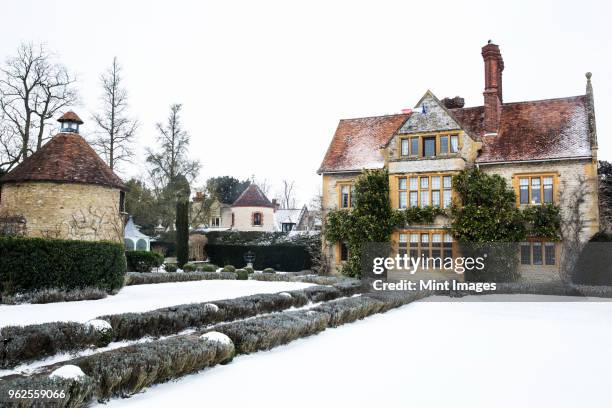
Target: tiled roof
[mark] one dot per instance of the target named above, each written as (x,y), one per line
(534,130)
(356,143)
(66,158)
(252,197)
(70,116)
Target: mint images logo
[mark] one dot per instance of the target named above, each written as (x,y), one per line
(411,264)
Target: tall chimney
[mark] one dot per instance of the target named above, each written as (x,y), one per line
(494,66)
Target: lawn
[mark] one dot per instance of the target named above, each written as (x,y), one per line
(460,353)
(140,298)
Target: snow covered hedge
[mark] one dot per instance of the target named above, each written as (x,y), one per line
(77,391)
(29,264)
(55,295)
(128,370)
(23,343)
(138,278)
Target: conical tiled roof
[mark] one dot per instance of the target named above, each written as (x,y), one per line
(252,197)
(70,116)
(66,158)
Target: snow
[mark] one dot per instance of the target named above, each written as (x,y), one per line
(211,307)
(427,354)
(285,294)
(100,325)
(216,337)
(140,298)
(68,371)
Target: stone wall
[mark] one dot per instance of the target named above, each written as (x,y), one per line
(572,175)
(243,217)
(68,211)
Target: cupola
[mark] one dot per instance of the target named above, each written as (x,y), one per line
(70,122)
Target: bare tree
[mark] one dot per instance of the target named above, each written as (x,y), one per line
(34,87)
(288,199)
(171,161)
(114,141)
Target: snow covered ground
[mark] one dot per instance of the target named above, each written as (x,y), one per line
(140,298)
(426,354)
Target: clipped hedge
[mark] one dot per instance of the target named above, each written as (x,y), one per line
(29,264)
(128,370)
(266,332)
(282,257)
(170,320)
(143,261)
(24,343)
(77,392)
(55,295)
(138,278)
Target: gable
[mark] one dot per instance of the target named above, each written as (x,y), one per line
(436,117)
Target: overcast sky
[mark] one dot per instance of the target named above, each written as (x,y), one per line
(264,83)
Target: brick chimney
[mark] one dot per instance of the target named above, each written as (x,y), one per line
(494,66)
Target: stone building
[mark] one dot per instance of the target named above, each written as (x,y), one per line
(65,190)
(545,149)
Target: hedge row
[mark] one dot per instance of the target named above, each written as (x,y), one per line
(54,295)
(78,391)
(23,343)
(29,264)
(143,261)
(126,371)
(268,331)
(138,278)
(282,257)
(33,342)
(171,320)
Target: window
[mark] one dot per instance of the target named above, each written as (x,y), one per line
(549,253)
(425,190)
(424,181)
(429,244)
(287,226)
(447,182)
(454,145)
(524,190)
(525,254)
(257,219)
(346,196)
(233,218)
(414,146)
(414,192)
(344,253)
(122,201)
(405,147)
(409,146)
(215,222)
(548,189)
(536,189)
(429,146)
(403,194)
(443,144)
(538,253)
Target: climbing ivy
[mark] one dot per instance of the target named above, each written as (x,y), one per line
(483,214)
(371,220)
